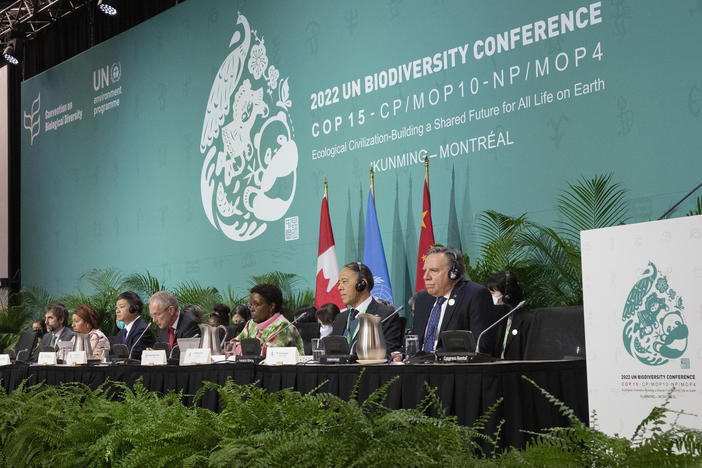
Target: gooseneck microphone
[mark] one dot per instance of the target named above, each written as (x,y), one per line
(519,306)
(131,350)
(397,311)
(275,335)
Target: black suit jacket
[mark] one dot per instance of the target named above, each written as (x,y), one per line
(517,339)
(136,347)
(187,328)
(392,329)
(66,335)
(472,309)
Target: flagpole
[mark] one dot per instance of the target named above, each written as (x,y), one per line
(372,182)
(426,170)
(326,191)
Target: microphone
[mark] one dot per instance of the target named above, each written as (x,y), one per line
(275,335)
(397,311)
(131,350)
(300,317)
(519,306)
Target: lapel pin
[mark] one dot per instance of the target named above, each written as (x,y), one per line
(452,301)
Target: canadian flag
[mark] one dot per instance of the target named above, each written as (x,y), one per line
(327,264)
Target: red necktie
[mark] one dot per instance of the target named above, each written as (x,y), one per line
(171,337)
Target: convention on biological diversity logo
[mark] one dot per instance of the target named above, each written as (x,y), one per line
(32,119)
(654,329)
(247,141)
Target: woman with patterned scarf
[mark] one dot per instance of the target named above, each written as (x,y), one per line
(267,323)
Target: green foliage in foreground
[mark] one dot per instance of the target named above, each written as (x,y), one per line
(71,425)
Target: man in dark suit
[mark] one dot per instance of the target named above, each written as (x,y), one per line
(355,284)
(134,334)
(172,322)
(450,302)
(56,318)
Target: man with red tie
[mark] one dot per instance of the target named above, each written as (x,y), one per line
(173,323)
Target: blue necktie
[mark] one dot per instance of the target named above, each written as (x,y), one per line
(433,325)
(353,323)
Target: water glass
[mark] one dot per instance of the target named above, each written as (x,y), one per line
(411,345)
(317,349)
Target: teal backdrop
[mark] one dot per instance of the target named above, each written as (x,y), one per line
(165,147)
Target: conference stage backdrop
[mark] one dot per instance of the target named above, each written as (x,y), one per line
(195,145)
(643,316)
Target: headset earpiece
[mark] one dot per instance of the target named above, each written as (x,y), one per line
(454,272)
(506,296)
(361,283)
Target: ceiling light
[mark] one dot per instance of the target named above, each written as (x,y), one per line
(109,7)
(11,53)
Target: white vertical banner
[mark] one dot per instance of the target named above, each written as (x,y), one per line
(642,288)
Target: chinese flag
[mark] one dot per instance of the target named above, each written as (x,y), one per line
(327,264)
(426,234)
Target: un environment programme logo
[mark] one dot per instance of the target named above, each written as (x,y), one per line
(32,119)
(247,139)
(654,328)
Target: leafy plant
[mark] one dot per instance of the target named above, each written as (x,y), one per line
(546,260)
(234,299)
(592,204)
(106,285)
(655,442)
(145,285)
(115,425)
(24,307)
(293,298)
(697,210)
(191,292)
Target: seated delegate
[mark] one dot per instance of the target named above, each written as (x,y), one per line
(172,322)
(511,334)
(87,320)
(133,329)
(267,324)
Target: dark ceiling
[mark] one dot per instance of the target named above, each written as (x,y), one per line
(56,30)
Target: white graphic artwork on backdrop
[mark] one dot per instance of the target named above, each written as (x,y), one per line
(249,175)
(32,119)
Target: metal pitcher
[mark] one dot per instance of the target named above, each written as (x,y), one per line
(370,342)
(209,338)
(82,343)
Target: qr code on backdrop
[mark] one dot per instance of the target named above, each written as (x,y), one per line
(292,228)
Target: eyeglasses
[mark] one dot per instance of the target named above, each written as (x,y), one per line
(255,305)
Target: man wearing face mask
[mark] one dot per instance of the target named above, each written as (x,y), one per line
(240,316)
(325,317)
(510,342)
(132,327)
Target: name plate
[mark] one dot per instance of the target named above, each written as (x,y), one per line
(281,356)
(5,360)
(197,356)
(77,357)
(154,357)
(47,358)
